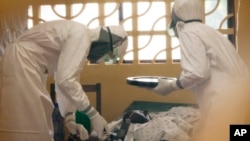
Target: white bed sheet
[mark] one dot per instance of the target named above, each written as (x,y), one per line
(175,124)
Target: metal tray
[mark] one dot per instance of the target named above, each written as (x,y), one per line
(146,81)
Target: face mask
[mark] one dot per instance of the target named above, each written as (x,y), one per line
(97,50)
(172,32)
(108,58)
(102,50)
(172,27)
(112,57)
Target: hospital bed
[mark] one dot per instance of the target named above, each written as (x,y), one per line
(162,114)
(167,121)
(152,106)
(154,121)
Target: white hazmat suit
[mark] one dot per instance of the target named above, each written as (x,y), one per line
(212,68)
(60,48)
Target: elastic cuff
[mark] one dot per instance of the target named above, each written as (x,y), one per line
(69,113)
(178,83)
(69,117)
(175,85)
(90,112)
(87,109)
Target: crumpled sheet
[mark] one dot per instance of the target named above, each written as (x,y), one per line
(175,124)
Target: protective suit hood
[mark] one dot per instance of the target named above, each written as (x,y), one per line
(108,43)
(186,11)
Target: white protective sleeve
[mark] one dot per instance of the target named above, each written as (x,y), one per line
(70,65)
(194,61)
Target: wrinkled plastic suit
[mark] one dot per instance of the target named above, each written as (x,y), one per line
(213,69)
(60,48)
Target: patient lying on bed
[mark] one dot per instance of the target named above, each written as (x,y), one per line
(175,124)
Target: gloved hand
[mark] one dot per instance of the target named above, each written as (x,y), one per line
(99,124)
(74,128)
(166,86)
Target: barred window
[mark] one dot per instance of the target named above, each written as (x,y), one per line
(146,22)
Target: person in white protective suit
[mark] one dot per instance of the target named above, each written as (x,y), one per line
(212,69)
(60,48)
